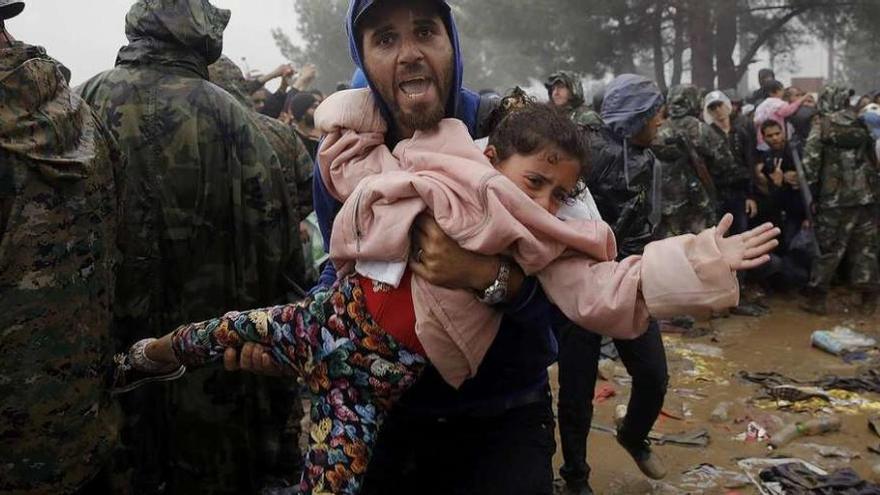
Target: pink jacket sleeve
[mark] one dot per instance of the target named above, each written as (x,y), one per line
(789,109)
(681,275)
(354,144)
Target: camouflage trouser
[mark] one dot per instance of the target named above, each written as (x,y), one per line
(230,432)
(850,232)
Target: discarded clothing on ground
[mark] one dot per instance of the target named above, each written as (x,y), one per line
(796,479)
(867,380)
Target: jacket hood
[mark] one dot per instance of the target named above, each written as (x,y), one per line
(572,82)
(226,74)
(684,101)
(834,98)
(41,120)
(630,101)
(460,101)
(187,34)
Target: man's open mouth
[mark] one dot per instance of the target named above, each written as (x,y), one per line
(416,87)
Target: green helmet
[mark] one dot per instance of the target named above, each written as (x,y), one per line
(10,9)
(572,81)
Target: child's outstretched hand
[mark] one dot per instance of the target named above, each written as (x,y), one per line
(747,250)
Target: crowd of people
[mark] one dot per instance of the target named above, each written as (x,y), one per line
(145,214)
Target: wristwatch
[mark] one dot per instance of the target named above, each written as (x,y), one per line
(497,292)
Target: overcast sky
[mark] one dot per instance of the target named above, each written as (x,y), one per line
(86,34)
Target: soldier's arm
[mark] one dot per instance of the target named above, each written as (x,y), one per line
(812,160)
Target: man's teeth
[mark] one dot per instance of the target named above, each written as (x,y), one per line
(415,87)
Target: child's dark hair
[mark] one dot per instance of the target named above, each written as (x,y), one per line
(527,127)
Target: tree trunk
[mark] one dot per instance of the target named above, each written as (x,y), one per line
(625,63)
(725,43)
(678,44)
(657,44)
(700,36)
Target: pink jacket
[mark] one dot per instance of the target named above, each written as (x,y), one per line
(777,110)
(443,171)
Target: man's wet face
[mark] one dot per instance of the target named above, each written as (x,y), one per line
(774,137)
(560,94)
(408,56)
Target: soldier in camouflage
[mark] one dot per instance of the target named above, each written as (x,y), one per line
(59,204)
(566,91)
(688,205)
(843,174)
(295,161)
(202,179)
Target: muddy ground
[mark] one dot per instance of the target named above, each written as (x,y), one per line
(777,342)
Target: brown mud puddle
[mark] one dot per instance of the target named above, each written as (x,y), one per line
(700,379)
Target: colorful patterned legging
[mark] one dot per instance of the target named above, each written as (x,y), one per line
(354,370)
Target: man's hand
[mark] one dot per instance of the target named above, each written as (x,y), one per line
(283,70)
(441,261)
(751,208)
(791,178)
(254,358)
(306,77)
(777,177)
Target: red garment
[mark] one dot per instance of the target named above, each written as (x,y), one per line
(392,309)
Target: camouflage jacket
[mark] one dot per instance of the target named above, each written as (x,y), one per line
(59,204)
(212,224)
(296,162)
(839,162)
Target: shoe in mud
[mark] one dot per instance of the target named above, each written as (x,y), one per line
(647,460)
(816,303)
(750,309)
(134,369)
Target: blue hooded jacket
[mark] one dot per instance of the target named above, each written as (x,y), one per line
(514,371)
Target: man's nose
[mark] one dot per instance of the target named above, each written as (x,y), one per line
(410,51)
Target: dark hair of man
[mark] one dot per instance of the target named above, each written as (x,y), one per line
(533,127)
(773,86)
(769,124)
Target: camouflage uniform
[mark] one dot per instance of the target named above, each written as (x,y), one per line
(687,207)
(59,204)
(841,170)
(577,108)
(202,179)
(295,161)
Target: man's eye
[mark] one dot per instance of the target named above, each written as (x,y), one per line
(385,39)
(424,33)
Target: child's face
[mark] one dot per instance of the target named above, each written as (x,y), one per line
(548,176)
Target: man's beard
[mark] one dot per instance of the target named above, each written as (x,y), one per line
(421,120)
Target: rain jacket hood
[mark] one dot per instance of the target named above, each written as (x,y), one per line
(572,82)
(187,34)
(684,101)
(833,99)
(630,101)
(462,103)
(41,119)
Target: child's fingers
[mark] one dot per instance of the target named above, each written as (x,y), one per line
(760,250)
(756,231)
(762,237)
(754,263)
(724,225)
